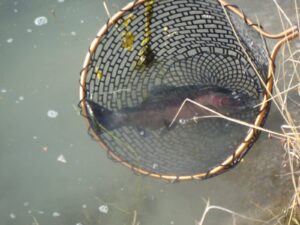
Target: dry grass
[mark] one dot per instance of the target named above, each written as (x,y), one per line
(287,80)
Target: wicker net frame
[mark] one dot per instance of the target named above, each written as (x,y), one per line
(263,70)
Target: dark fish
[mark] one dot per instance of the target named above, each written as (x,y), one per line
(158,110)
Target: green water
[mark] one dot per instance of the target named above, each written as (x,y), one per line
(39,72)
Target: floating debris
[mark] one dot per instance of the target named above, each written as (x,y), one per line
(40,21)
(127,36)
(52,114)
(12,216)
(55,214)
(99,73)
(103,209)
(9,40)
(61,159)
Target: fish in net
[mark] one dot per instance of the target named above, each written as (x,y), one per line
(161,77)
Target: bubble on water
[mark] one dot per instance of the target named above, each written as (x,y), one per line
(142,132)
(16,10)
(52,114)
(81,21)
(60,1)
(61,159)
(172,222)
(12,216)
(103,209)
(40,212)
(34,137)
(79,224)
(73,33)
(55,214)
(21,98)
(3,91)
(17,101)
(29,211)
(29,30)
(40,21)
(9,40)
(84,206)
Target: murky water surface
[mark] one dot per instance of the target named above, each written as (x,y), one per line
(51,172)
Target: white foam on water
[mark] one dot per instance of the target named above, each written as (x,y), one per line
(12,216)
(40,21)
(103,209)
(55,214)
(52,114)
(61,159)
(10,40)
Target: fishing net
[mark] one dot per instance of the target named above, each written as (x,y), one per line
(153,49)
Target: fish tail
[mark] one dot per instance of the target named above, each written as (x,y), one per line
(102,118)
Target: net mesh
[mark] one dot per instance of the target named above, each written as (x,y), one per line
(190,43)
